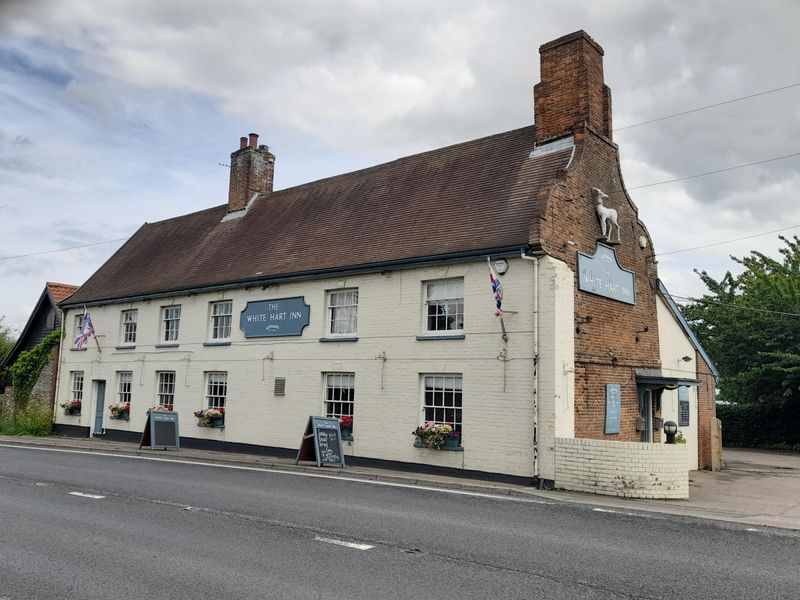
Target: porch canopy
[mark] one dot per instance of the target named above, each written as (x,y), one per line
(653,379)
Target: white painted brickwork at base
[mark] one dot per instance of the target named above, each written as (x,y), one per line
(627,469)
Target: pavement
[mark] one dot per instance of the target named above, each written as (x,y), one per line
(756,487)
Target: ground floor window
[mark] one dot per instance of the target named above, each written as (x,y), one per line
(166,389)
(339,394)
(441,399)
(76,389)
(124,386)
(216,389)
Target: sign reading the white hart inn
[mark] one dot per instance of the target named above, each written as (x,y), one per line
(274,318)
(601,274)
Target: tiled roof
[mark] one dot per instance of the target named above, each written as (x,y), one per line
(60,291)
(472,196)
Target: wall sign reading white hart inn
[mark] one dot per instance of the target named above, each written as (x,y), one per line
(601,274)
(274,318)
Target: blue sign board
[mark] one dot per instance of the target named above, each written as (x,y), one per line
(613,407)
(602,274)
(683,406)
(274,318)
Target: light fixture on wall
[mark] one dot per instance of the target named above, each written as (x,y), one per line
(501,266)
(686,358)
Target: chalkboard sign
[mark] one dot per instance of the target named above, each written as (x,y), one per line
(613,407)
(322,442)
(161,430)
(683,406)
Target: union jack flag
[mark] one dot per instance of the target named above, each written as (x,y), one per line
(497,288)
(85,331)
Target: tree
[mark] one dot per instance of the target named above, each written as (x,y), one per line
(7,338)
(750,325)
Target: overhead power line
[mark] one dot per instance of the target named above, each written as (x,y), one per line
(747,237)
(63,249)
(758,162)
(751,308)
(694,110)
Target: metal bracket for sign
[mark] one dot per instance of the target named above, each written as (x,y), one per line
(317,444)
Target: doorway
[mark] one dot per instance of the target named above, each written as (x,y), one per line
(99,406)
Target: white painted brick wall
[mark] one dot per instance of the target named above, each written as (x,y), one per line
(628,469)
(497,425)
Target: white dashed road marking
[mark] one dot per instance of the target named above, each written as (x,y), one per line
(82,495)
(343,543)
(616,512)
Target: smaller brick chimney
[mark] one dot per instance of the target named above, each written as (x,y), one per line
(252,168)
(571,90)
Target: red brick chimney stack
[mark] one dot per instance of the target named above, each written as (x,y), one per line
(571,89)
(252,169)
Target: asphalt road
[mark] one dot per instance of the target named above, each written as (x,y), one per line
(175,530)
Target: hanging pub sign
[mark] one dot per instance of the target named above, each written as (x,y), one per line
(274,318)
(601,274)
(613,407)
(683,406)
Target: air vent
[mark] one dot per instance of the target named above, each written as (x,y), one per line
(280,386)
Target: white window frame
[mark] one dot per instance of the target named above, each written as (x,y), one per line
(165,389)
(443,301)
(341,385)
(169,334)
(451,402)
(124,387)
(76,385)
(128,325)
(220,323)
(216,389)
(77,320)
(342,313)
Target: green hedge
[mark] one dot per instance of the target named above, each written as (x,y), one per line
(760,426)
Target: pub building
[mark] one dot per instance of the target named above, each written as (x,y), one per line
(368,295)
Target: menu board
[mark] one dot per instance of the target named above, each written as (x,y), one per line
(683,406)
(322,442)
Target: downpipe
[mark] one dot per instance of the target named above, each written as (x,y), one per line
(535,261)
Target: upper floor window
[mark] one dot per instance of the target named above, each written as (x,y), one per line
(129,318)
(171,321)
(444,306)
(342,312)
(166,389)
(221,313)
(124,386)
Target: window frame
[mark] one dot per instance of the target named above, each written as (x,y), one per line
(76,391)
(327,388)
(331,311)
(426,302)
(124,380)
(161,394)
(166,330)
(208,397)
(457,423)
(214,326)
(125,334)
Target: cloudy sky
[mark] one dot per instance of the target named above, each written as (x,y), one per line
(115,113)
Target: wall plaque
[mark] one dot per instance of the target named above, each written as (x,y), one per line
(602,274)
(683,406)
(274,318)
(613,407)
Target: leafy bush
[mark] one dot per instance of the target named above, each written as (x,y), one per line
(34,419)
(29,364)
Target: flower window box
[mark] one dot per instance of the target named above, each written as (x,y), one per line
(72,408)
(346,427)
(211,417)
(440,436)
(121,411)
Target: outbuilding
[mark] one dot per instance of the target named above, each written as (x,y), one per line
(368,295)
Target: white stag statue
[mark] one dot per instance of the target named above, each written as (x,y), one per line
(608,216)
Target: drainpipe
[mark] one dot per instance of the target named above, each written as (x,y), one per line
(535,261)
(58,362)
